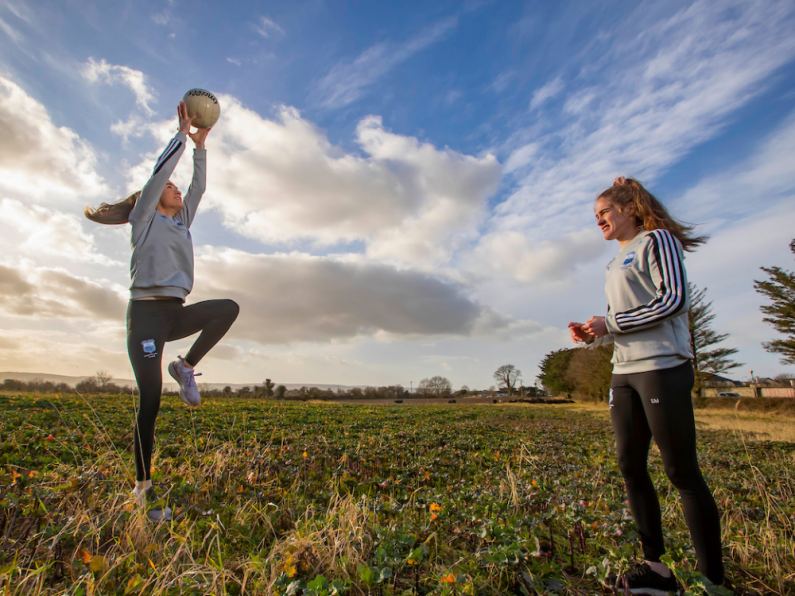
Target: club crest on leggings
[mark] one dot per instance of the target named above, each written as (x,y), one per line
(149,348)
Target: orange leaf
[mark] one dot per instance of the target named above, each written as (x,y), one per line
(449,578)
(84,555)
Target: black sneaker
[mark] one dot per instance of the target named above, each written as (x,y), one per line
(641,579)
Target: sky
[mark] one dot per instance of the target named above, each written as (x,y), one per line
(395,190)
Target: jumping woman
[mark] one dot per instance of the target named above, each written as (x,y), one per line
(162,277)
(647,322)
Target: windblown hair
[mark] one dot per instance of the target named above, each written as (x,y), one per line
(649,212)
(113,214)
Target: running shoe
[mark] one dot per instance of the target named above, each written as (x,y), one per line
(156,508)
(188,390)
(641,579)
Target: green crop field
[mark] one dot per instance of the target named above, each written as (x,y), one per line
(305,498)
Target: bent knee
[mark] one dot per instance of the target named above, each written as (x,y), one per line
(231,308)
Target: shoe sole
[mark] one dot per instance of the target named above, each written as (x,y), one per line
(172,370)
(653,591)
(165,516)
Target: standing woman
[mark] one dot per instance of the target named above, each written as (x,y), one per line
(648,301)
(162,277)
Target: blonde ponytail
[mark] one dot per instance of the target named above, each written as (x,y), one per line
(649,212)
(113,214)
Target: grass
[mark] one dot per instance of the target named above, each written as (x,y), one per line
(751,425)
(323,498)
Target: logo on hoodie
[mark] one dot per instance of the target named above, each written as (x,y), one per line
(628,260)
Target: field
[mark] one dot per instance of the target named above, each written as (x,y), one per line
(324,498)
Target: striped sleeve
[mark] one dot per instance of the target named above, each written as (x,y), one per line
(667,270)
(173,147)
(150,194)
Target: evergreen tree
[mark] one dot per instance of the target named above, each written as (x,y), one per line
(553,370)
(780,289)
(590,370)
(706,359)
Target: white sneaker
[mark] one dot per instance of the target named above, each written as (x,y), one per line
(156,508)
(188,390)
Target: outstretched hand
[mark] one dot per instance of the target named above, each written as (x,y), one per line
(184,120)
(578,334)
(199,136)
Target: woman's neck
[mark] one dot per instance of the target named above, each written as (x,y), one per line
(628,237)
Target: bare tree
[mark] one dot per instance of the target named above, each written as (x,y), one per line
(508,375)
(102,377)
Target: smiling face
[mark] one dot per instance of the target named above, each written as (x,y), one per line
(170,199)
(614,223)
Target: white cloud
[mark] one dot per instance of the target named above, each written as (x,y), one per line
(266,27)
(281,180)
(112,74)
(545,263)
(347,82)
(39,159)
(48,293)
(651,98)
(502,81)
(54,351)
(162,18)
(31,230)
(288,298)
(766,177)
(548,91)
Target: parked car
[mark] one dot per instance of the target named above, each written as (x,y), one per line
(728,394)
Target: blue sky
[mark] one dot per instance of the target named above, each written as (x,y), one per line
(396,190)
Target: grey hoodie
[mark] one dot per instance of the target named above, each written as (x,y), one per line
(648,300)
(162,249)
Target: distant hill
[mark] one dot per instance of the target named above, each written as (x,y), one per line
(27,377)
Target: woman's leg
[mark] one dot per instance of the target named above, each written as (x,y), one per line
(212,317)
(669,411)
(148,324)
(633,438)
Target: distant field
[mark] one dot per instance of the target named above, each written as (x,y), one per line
(325,498)
(748,425)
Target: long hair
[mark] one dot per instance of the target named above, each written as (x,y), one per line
(113,214)
(649,212)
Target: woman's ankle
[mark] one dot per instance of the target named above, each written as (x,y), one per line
(659,568)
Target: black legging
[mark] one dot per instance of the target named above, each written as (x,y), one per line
(150,324)
(658,404)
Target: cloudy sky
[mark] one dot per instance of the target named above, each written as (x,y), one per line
(395,190)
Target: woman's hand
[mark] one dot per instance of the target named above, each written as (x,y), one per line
(184,121)
(199,136)
(596,326)
(578,334)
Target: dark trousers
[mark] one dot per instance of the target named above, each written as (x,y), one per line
(150,324)
(657,404)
